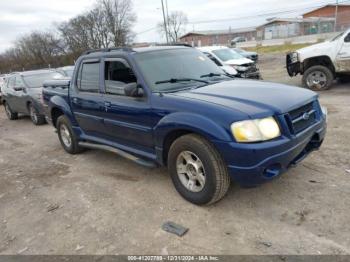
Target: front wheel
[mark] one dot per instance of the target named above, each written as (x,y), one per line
(67,137)
(318,78)
(197,170)
(9,113)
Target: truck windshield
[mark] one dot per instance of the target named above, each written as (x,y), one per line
(37,80)
(226,54)
(160,66)
(338,36)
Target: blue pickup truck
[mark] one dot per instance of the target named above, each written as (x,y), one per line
(172,106)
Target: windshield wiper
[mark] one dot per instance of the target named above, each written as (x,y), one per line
(215,74)
(177,80)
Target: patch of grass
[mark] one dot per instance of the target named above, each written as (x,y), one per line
(277,49)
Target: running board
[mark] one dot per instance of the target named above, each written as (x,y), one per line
(118,152)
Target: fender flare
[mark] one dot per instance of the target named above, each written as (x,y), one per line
(191,122)
(60,103)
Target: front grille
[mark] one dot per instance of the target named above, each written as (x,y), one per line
(252,69)
(301,118)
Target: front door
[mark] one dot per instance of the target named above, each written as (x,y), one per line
(343,57)
(126,119)
(86,99)
(21,95)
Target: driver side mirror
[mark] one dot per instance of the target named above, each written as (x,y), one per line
(134,90)
(19,88)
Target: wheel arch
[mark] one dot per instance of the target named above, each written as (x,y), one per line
(176,125)
(318,60)
(58,106)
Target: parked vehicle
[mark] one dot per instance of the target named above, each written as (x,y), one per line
(247,54)
(2,82)
(225,56)
(66,70)
(320,64)
(238,39)
(171,106)
(23,94)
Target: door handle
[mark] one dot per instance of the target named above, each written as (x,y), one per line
(108,104)
(75,100)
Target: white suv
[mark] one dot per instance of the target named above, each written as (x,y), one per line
(227,59)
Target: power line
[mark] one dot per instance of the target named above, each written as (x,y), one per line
(272,13)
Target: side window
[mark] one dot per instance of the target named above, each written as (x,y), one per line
(347,38)
(217,62)
(118,74)
(88,78)
(19,82)
(11,82)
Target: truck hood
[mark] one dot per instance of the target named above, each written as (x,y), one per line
(229,70)
(240,61)
(254,98)
(315,50)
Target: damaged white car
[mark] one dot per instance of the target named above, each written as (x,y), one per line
(322,63)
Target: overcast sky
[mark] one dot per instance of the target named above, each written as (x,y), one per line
(18,17)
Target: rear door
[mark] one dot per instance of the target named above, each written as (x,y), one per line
(126,119)
(343,57)
(86,98)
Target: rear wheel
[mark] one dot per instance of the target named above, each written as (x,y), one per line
(36,118)
(318,78)
(9,113)
(67,137)
(197,170)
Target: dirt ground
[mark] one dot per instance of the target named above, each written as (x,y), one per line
(98,203)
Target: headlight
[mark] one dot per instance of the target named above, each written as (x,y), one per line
(294,57)
(255,130)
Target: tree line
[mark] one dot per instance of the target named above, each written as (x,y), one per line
(108,24)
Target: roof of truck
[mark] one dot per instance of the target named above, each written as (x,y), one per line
(133,50)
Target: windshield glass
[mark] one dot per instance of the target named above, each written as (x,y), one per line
(226,54)
(338,36)
(187,63)
(68,70)
(37,80)
(238,50)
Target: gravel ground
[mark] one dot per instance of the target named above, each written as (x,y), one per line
(98,203)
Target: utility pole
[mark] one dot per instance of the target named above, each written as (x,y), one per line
(336,15)
(165,25)
(167,17)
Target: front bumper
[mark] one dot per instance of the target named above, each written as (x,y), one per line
(293,68)
(250,75)
(254,164)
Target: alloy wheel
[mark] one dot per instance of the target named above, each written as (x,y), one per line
(65,136)
(33,114)
(190,171)
(316,80)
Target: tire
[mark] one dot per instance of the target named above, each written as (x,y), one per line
(36,118)
(318,78)
(67,137)
(210,182)
(9,113)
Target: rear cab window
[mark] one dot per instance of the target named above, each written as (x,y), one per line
(89,77)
